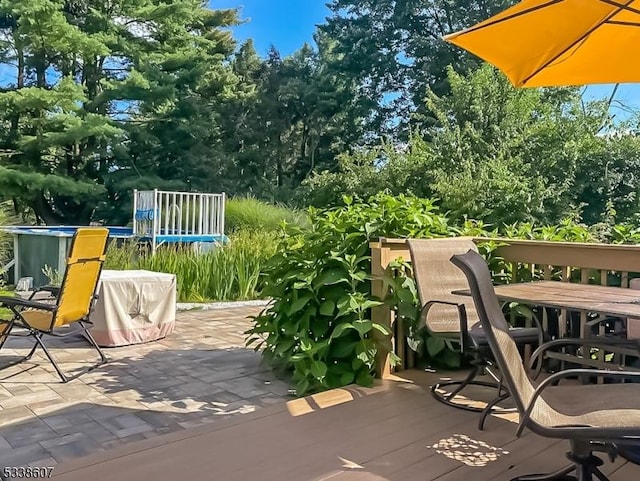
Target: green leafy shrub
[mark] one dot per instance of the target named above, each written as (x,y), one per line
(319,328)
(246,213)
(226,273)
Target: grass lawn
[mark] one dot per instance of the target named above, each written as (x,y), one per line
(4,312)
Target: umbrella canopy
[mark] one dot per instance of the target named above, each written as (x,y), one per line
(540,43)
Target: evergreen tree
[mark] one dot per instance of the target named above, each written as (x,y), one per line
(106,95)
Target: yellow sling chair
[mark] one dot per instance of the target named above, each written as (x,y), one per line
(74,300)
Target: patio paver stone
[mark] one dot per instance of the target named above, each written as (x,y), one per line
(202,373)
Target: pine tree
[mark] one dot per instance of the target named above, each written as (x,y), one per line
(102,96)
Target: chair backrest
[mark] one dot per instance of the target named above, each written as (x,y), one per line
(436,277)
(84,264)
(496,328)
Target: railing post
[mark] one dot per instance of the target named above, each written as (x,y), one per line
(221,213)
(135,211)
(157,212)
(381,314)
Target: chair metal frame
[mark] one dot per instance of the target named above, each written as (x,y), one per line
(480,353)
(584,438)
(18,305)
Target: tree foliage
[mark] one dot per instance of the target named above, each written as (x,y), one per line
(87,75)
(394,50)
(100,97)
(502,155)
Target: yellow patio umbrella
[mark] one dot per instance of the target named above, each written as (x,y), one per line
(548,43)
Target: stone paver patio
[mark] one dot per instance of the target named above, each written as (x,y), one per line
(200,374)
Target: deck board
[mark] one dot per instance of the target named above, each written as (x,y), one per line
(386,434)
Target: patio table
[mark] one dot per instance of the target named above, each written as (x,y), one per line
(585,298)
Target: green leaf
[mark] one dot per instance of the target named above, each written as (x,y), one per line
(347,378)
(332,276)
(451,359)
(415,344)
(382,329)
(340,329)
(299,303)
(405,295)
(318,370)
(394,359)
(364,378)
(435,345)
(302,387)
(363,327)
(319,326)
(408,310)
(327,307)
(360,276)
(343,347)
(283,346)
(305,345)
(366,351)
(368,304)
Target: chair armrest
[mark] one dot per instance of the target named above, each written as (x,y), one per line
(13,302)
(581,342)
(526,416)
(462,315)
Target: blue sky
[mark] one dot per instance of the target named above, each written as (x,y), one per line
(628,95)
(286,24)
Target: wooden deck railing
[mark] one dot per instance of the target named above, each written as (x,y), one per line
(568,261)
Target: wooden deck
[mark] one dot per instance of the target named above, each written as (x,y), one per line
(394,431)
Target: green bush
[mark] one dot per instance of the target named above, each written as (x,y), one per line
(246,213)
(319,327)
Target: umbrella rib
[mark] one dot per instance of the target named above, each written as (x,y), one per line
(583,37)
(622,6)
(512,16)
(629,24)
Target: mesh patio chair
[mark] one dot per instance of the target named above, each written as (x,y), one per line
(593,418)
(453,317)
(72,302)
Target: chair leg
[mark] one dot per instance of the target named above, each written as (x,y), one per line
(487,410)
(560,475)
(63,377)
(92,341)
(447,398)
(462,384)
(3,338)
(584,464)
(600,475)
(38,337)
(4,333)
